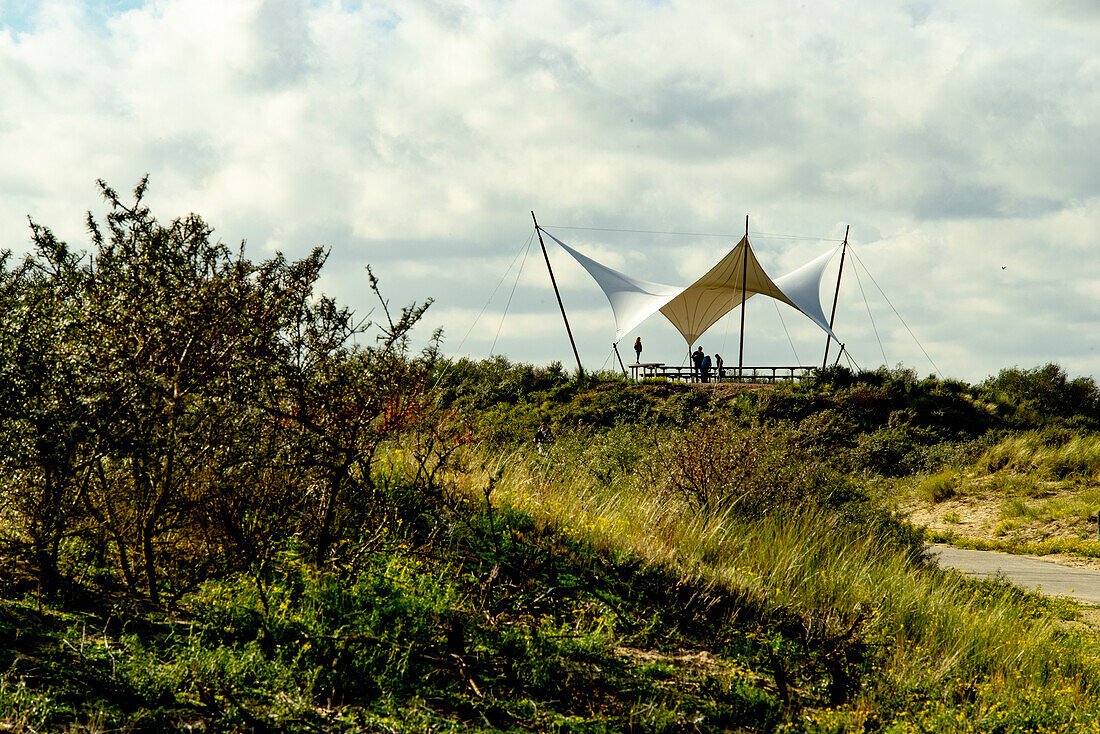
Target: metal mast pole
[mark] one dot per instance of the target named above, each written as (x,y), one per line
(744,275)
(553,282)
(836,295)
(617,355)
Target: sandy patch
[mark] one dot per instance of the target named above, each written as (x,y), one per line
(977,516)
(978,512)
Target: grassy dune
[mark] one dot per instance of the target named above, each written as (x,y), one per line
(1046,455)
(706,567)
(951,649)
(1034,492)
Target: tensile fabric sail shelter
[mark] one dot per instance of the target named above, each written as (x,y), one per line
(695,308)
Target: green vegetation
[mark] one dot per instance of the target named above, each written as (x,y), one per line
(1084,547)
(1046,454)
(229,505)
(938,487)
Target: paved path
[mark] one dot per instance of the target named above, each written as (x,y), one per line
(1029,572)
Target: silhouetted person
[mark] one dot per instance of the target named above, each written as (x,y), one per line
(697,363)
(718,364)
(543,435)
(638,350)
(706,368)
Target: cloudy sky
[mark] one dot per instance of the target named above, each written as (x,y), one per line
(959,139)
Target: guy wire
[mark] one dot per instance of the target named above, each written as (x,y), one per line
(887,298)
(608,358)
(737,236)
(789,340)
(507,305)
(523,250)
(885,361)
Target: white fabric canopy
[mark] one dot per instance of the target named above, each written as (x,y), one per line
(697,307)
(803,288)
(632,300)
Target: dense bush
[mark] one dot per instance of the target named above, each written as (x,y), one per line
(170,409)
(507,402)
(885,421)
(474,386)
(745,471)
(1033,398)
(882,398)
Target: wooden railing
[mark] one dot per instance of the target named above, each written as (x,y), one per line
(726,374)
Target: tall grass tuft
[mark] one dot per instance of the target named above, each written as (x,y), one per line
(938,487)
(1051,455)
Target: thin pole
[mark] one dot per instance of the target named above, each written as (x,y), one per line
(836,296)
(553,282)
(744,276)
(621,365)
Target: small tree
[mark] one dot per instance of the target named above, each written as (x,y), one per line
(44,423)
(176,407)
(339,401)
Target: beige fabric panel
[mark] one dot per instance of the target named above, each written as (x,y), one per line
(719,291)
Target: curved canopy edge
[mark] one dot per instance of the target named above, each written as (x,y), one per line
(632,300)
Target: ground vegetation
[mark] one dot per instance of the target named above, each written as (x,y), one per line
(230,504)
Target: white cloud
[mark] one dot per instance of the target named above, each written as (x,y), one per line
(955,136)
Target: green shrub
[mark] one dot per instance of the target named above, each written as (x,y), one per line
(893,452)
(1045,396)
(613,455)
(341,637)
(831,429)
(747,471)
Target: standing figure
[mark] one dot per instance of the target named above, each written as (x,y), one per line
(706,368)
(718,364)
(638,350)
(697,363)
(543,435)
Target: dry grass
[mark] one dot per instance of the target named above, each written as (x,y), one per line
(809,564)
(1046,456)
